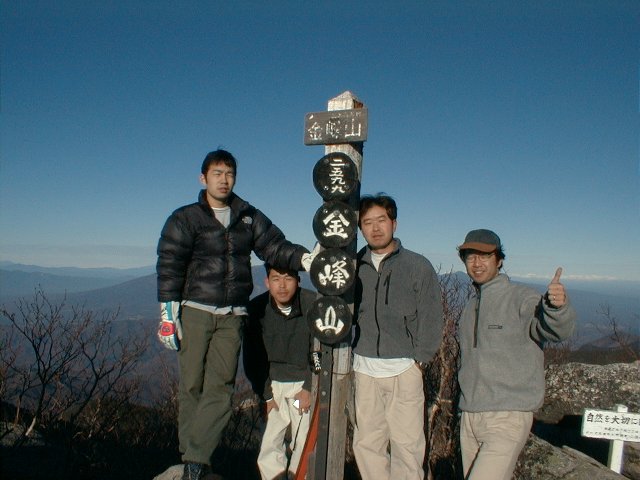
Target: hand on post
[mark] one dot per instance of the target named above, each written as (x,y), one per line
(307,258)
(556,295)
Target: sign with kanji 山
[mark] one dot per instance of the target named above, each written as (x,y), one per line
(611,425)
(336,126)
(329,318)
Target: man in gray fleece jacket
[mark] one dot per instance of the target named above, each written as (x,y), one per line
(399,329)
(502,331)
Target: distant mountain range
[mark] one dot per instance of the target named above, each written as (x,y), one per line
(133,292)
(19,280)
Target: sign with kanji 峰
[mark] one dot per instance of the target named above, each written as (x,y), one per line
(333,271)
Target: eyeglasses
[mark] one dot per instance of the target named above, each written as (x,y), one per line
(482,257)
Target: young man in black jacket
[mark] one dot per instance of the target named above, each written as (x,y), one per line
(204,284)
(276,358)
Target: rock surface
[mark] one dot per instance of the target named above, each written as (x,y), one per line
(570,389)
(542,461)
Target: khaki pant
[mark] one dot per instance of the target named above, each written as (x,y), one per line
(389,441)
(491,442)
(272,459)
(208,359)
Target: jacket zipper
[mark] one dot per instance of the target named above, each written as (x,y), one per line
(375,315)
(475,325)
(387,281)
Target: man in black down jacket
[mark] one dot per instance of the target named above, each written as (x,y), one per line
(204,284)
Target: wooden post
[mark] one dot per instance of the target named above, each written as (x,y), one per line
(616,447)
(617,426)
(341,381)
(342,129)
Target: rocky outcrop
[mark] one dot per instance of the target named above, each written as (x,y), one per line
(570,389)
(542,461)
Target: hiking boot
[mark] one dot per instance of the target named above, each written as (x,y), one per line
(194,471)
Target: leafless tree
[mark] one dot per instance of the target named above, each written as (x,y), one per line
(558,353)
(70,367)
(620,334)
(441,382)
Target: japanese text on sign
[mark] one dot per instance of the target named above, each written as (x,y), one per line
(336,176)
(335,274)
(336,224)
(336,126)
(611,425)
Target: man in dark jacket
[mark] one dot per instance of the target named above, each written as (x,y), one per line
(501,331)
(399,320)
(204,284)
(276,350)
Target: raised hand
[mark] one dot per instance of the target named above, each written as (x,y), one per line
(556,295)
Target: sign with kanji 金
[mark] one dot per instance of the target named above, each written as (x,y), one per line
(335,224)
(333,271)
(335,176)
(611,425)
(336,126)
(329,318)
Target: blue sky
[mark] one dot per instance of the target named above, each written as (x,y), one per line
(521,117)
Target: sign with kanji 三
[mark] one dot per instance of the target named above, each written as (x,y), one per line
(611,425)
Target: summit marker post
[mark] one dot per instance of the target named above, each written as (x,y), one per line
(342,129)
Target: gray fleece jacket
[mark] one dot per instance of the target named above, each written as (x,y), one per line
(501,331)
(399,308)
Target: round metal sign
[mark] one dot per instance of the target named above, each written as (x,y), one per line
(329,319)
(335,224)
(332,271)
(335,176)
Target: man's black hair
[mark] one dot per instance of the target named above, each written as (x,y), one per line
(268,267)
(380,199)
(219,156)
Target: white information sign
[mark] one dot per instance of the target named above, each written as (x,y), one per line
(611,425)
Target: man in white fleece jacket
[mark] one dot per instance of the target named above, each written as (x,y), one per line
(502,331)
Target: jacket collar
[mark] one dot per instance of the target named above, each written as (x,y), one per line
(365,254)
(496,282)
(236,203)
(296,309)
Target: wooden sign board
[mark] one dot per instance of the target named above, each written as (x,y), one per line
(333,271)
(611,425)
(329,319)
(335,127)
(335,224)
(335,176)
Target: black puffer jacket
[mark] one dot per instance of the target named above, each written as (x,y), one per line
(201,260)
